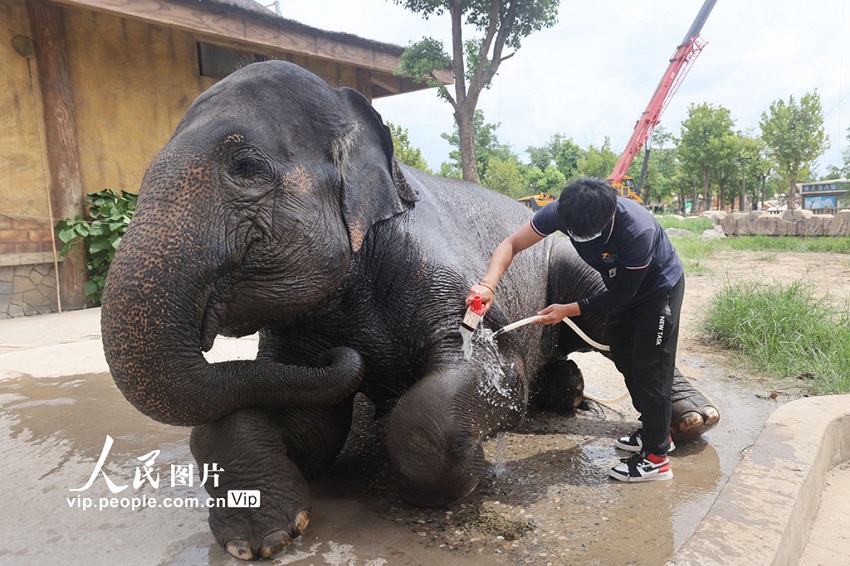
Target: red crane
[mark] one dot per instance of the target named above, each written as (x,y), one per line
(681,62)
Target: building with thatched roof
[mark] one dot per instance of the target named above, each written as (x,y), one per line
(94,88)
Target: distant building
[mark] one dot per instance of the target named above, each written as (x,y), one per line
(92,89)
(825,197)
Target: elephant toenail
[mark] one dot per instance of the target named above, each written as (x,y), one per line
(239,549)
(690,421)
(711,415)
(273,543)
(301,522)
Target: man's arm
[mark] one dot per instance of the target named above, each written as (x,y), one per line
(503,255)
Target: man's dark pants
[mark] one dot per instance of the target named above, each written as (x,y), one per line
(643,340)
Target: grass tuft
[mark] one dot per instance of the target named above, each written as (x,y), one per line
(785,331)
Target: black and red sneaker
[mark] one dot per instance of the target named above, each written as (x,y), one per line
(639,468)
(633,443)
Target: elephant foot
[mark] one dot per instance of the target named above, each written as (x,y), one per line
(693,424)
(432,465)
(434,436)
(693,414)
(272,543)
(248,450)
(559,387)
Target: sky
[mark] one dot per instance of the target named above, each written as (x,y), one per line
(593,73)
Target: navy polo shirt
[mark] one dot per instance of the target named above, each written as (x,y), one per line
(633,255)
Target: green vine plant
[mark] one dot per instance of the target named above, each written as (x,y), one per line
(108,214)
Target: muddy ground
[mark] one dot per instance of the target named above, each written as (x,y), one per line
(547,499)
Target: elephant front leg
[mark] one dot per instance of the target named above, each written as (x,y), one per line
(435,431)
(272,451)
(693,414)
(559,386)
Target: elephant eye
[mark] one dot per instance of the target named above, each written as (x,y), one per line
(248,165)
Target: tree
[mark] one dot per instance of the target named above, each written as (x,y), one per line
(550,180)
(662,171)
(474,62)
(505,176)
(487,146)
(404,150)
(795,138)
(597,162)
(843,170)
(751,154)
(706,143)
(560,151)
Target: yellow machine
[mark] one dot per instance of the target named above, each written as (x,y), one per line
(536,202)
(627,188)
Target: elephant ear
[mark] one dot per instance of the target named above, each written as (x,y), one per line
(373,185)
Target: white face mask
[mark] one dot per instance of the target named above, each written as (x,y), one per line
(583,238)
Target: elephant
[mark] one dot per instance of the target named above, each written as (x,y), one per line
(278,207)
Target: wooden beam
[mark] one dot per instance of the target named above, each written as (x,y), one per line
(203,21)
(391,84)
(66,188)
(364,83)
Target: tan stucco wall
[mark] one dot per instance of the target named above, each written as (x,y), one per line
(132,82)
(22,178)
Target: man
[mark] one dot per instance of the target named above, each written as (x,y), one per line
(645,285)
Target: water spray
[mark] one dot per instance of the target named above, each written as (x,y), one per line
(582,335)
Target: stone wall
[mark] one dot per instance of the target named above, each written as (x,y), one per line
(788,223)
(27,285)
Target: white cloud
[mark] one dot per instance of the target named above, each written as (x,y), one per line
(592,74)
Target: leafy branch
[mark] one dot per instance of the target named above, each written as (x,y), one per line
(107,218)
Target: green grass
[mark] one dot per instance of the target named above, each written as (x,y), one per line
(785,332)
(696,224)
(824,244)
(694,251)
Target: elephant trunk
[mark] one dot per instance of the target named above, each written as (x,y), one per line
(152,318)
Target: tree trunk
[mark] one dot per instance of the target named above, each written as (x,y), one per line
(705,204)
(792,193)
(693,197)
(743,197)
(466,133)
(464,102)
(66,188)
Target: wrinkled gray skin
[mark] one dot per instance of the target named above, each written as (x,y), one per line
(277,207)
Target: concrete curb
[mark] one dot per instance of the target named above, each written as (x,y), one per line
(766,510)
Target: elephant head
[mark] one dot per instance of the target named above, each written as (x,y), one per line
(251,213)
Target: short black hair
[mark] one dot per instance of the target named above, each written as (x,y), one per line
(586,205)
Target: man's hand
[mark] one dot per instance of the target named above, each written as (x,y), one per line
(553,314)
(482,291)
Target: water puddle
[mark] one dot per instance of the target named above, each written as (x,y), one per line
(550,473)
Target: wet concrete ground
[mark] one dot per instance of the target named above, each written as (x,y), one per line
(545,500)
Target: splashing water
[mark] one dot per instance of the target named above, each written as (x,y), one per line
(466,334)
(499,461)
(494,386)
(483,337)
